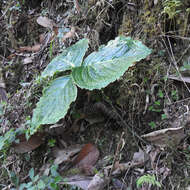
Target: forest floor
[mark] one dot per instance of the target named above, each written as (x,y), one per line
(136,129)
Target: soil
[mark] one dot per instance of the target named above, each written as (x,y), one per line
(145,99)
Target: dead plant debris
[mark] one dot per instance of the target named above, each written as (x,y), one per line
(136,130)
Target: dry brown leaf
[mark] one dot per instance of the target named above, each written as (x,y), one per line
(65,155)
(45,22)
(25,146)
(41,38)
(183,79)
(84,161)
(165,137)
(97,183)
(87,157)
(164,172)
(11,56)
(55,29)
(140,157)
(28,60)
(79,181)
(122,167)
(69,34)
(44,39)
(34,48)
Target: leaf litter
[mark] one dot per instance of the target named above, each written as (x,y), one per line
(169,142)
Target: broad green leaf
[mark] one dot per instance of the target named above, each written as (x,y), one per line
(114,49)
(41,184)
(109,63)
(53,186)
(29,185)
(35,179)
(55,102)
(58,179)
(71,57)
(22,186)
(32,188)
(2,142)
(31,173)
(14,178)
(54,170)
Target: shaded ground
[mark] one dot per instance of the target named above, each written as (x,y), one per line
(145,99)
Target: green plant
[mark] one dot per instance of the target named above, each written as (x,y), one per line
(38,182)
(149,179)
(96,71)
(160,94)
(157,104)
(16,7)
(8,137)
(6,140)
(152,124)
(186,67)
(174,95)
(155,107)
(164,116)
(170,8)
(51,142)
